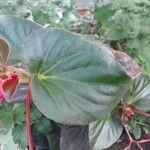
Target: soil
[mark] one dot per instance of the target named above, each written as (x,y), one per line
(124,141)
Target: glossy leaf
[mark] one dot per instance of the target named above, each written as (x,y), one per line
(15,30)
(74,137)
(73,81)
(104,133)
(139,95)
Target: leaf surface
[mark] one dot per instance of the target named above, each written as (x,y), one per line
(104,133)
(73,81)
(15,30)
(139,94)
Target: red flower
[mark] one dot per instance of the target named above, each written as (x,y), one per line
(1,91)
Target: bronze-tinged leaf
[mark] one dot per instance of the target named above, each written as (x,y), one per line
(23,75)
(4,52)
(130,66)
(9,87)
(20,94)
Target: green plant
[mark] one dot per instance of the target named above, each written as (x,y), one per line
(125,26)
(74,82)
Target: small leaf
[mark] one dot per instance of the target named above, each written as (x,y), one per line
(19,136)
(146,130)
(4,51)
(139,94)
(6,116)
(74,137)
(43,125)
(137,132)
(35,114)
(104,133)
(7,142)
(103,13)
(9,87)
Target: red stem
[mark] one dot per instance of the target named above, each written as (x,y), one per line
(141,112)
(28,125)
(144,141)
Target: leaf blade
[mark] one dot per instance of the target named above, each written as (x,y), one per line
(73,75)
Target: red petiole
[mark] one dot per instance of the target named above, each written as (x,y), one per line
(28,124)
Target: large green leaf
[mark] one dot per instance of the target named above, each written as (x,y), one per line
(103,133)
(15,30)
(73,81)
(139,95)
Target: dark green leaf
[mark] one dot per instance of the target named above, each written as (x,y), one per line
(35,114)
(73,81)
(104,133)
(53,140)
(103,13)
(139,94)
(74,137)
(15,30)
(43,125)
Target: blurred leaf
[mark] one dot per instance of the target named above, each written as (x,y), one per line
(15,30)
(7,142)
(19,136)
(19,114)
(137,132)
(43,125)
(139,94)
(35,114)
(103,13)
(74,137)
(6,116)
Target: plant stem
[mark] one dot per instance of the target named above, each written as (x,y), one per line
(144,141)
(28,126)
(141,112)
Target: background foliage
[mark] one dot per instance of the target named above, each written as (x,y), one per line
(122,24)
